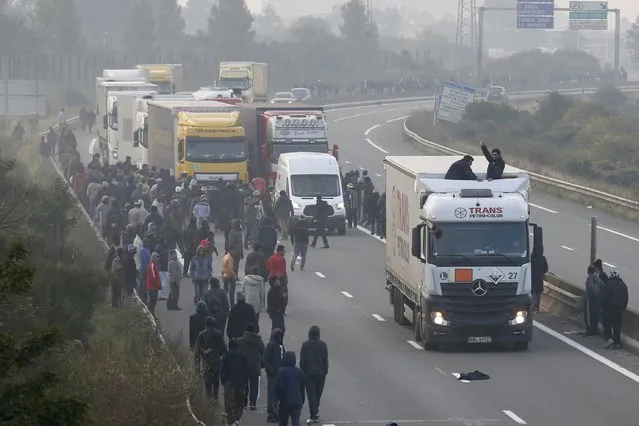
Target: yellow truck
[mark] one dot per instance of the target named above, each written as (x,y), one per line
(204,139)
(168,77)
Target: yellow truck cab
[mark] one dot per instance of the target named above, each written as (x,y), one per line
(168,77)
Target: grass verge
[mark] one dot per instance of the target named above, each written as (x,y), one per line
(421,123)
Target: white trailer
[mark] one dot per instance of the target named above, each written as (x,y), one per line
(121,123)
(458,252)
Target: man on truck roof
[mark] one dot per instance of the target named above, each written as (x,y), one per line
(496,163)
(461,170)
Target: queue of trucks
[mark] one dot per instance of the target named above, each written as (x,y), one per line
(212,133)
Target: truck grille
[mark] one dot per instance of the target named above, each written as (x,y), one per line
(460,304)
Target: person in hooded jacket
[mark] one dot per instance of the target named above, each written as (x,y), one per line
(300,239)
(538,270)
(240,316)
(208,351)
(314,365)
(175,280)
(235,240)
(254,290)
(118,280)
(234,375)
(276,302)
(200,271)
(130,270)
(218,302)
(197,322)
(591,301)
(256,258)
(267,236)
(289,386)
(272,361)
(251,345)
(283,212)
(153,282)
(614,301)
(190,244)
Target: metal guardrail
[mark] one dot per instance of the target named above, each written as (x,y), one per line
(547,180)
(71,122)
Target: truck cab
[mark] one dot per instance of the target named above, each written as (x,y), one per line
(470,253)
(248,77)
(168,77)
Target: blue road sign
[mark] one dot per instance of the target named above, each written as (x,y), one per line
(537,14)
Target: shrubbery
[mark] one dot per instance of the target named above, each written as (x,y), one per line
(593,139)
(66,357)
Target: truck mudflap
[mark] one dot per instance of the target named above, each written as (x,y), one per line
(459,325)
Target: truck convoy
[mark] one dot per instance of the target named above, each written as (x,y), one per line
(458,253)
(250,77)
(275,129)
(204,139)
(168,77)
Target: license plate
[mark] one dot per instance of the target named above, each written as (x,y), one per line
(485,339)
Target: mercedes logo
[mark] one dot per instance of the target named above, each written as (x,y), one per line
(460,212)
(479,288)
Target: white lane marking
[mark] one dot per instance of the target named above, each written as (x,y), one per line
(347,294)
(612,231)
(414,344)
(377,147)
(380,111)
(370,129)
(610,265)
(397,119)
(457,376)
(592,354)
(361,168)
(567,248)
(378,318)
(514,417)
(543,208)
(378,175)
(319,274)
(366,231)
(347,162)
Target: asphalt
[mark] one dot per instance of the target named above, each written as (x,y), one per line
(376,373)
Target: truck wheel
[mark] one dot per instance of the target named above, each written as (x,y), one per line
(341,230)
(430,346)
(417,326)
(399,308)
(521,346)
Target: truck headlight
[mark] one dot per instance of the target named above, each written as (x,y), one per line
(438,319)
(520,318)
(115,154)
(339,206)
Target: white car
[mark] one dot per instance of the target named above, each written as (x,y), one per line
(282,100)
(301,94)
(284,95)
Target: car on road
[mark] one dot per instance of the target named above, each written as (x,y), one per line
(497,94)
(301,94)
(282,100)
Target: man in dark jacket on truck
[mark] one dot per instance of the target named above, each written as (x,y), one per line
(614,300)
(461,170)
(496,163)
(272,362)
(314,365)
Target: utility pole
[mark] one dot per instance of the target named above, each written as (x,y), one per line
(369,12)
(466,40)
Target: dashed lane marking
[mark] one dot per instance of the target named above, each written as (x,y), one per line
(370,129)
(514,417)
(397,119)
(543,208)
(378,318)
(379,111)
(610,265)
(361,168)
(414,344)
(378,175)
(567,248)
(319,274)
(347,294)
(347,162)
(377,147)
(612,231)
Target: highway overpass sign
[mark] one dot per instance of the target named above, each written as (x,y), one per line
(536,14)
(588,15)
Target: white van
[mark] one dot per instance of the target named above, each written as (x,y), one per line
(304,176)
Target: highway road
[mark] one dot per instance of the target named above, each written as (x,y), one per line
(378,374)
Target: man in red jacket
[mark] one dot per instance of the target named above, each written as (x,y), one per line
(277,267)
(153,282)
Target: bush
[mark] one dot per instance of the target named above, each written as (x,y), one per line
(610,97)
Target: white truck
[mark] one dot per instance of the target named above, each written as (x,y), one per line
(249,77)
(122,123)
(104,110)
(458,252)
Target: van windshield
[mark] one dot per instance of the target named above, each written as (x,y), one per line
(314,185)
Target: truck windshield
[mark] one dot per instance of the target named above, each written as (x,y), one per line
(235,83)
(282,148)
(164,87)
(215,150)
(480,243)
(314,185)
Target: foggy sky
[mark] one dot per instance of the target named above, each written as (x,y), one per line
(437,8)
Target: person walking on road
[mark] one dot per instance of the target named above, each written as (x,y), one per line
(322,212)
(538,270)
(277,267)
(614,301)
(197,322)
(289,386)
(299,239)
(209,349)
(276,304)
(234,375)
(252,346)
(175,280)
(272,361)
(200,271)
(314,365)
(283,212)
(218,303)
(241,315)
(153,282)
(591,301)
(254,290)
(229,276)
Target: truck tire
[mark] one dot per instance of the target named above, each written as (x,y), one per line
(399,308)
(521,346)
(417,326)
(341,230)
